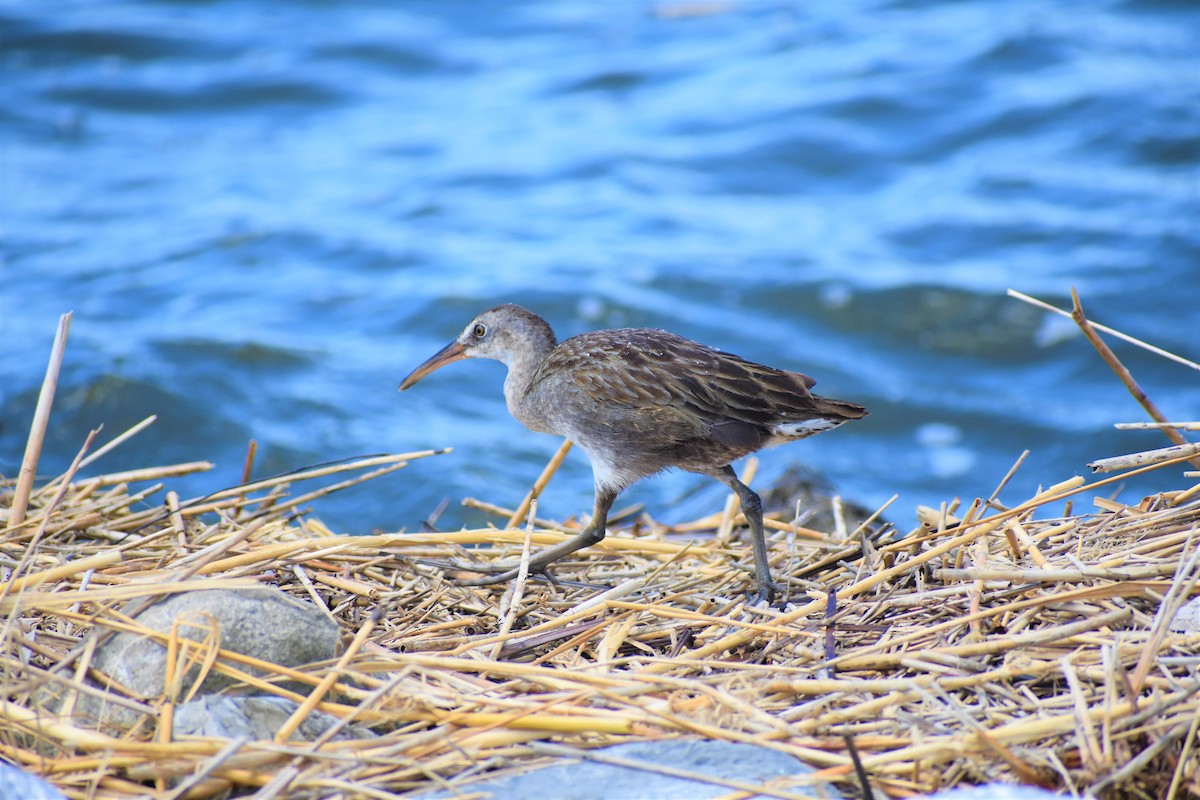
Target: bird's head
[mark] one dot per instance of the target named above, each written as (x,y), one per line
(504,333)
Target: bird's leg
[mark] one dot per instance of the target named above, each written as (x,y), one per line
(589,536)
(752,508)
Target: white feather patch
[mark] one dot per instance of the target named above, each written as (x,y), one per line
(807,427)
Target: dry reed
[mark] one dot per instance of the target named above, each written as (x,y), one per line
(1014,643)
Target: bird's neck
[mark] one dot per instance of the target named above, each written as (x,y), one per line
(523,366)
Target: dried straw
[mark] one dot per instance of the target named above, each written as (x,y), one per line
(996,642)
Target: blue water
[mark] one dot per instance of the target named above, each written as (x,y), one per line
(264,215)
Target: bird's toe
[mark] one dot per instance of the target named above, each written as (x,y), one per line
(764,592)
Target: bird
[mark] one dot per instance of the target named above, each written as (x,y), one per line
(639,401)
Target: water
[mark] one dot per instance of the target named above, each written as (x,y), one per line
(264,215)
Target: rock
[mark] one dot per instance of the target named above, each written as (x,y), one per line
(573,779)
(262,622)
(255,717)
(815,495)
(1187,618)
(15,782)
(993,791)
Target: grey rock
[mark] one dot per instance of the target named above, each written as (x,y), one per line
(261,622)
(574,779)
(815,494)
(993,791)
(254,717)
(16,782)
(1187,618)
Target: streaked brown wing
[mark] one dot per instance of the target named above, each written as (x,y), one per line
(642,368)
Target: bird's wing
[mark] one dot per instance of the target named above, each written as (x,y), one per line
(651,369)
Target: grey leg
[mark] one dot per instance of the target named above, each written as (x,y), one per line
(590,535)
(752,508)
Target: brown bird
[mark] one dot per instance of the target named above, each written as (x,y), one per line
(638,401)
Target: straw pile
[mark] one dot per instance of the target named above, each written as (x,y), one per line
(1022,643)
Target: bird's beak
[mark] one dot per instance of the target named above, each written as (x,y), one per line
(447,355)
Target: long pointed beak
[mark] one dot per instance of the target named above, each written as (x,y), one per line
(447,355)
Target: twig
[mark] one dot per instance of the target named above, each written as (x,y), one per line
(1142,426)
(150,473)
(1131,460)
(248,470)
(1126,377)
(41,419)
(863,525)
(511,605)
(1158,351)
(1007,477)
(117,441)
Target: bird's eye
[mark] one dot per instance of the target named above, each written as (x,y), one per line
(479,331)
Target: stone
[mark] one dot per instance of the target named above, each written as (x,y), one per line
(262,622)
(993,791)
(255,717)
(573,779)
(1187,618)
(16,782)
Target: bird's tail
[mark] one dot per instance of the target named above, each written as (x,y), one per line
(839,409)
(824,414)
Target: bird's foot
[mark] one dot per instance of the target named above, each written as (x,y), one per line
(504,568)
(764,592)
(542,575)
(492,576)
(486,580)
